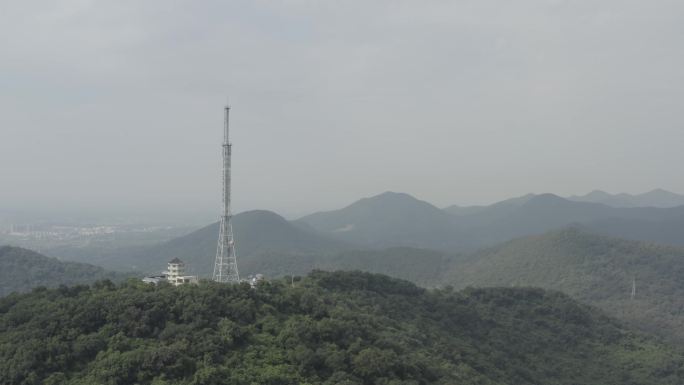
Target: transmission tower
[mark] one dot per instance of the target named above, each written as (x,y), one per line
(225,267)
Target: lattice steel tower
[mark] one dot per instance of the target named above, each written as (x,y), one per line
(225,267)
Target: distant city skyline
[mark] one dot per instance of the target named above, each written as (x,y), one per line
(118,105)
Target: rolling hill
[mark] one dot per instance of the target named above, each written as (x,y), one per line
(388,220)
(595,269)
(22,270)
(328,328)
(257,234)
(262,239)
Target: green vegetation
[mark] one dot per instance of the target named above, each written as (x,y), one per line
(21,270)
(330,328)
(594,269)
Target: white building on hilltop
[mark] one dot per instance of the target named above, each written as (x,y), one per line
(254,280)
(174,274)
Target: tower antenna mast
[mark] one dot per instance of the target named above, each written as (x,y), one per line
(225,266)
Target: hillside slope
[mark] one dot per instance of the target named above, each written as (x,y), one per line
(330,328)
(22,269)
(594,269)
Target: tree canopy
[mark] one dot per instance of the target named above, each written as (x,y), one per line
(326,328)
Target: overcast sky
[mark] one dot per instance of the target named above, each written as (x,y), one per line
(119,103)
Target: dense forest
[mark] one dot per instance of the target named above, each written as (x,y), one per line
(326,328)
(22,269)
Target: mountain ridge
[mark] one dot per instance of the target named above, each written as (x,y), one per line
(392,219)
(655,198)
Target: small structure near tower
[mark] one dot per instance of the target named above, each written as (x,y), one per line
(174,274)
(254,280)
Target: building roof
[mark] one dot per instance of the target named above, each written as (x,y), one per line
(175,260)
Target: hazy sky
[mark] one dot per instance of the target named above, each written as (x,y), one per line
(119,103)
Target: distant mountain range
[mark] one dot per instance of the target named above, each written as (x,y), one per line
(21,270)
(656,198)
(394,219)
(389,220)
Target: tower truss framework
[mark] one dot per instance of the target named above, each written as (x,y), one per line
(225,266)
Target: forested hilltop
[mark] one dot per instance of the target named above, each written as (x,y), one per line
(327,328)
(22,270)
